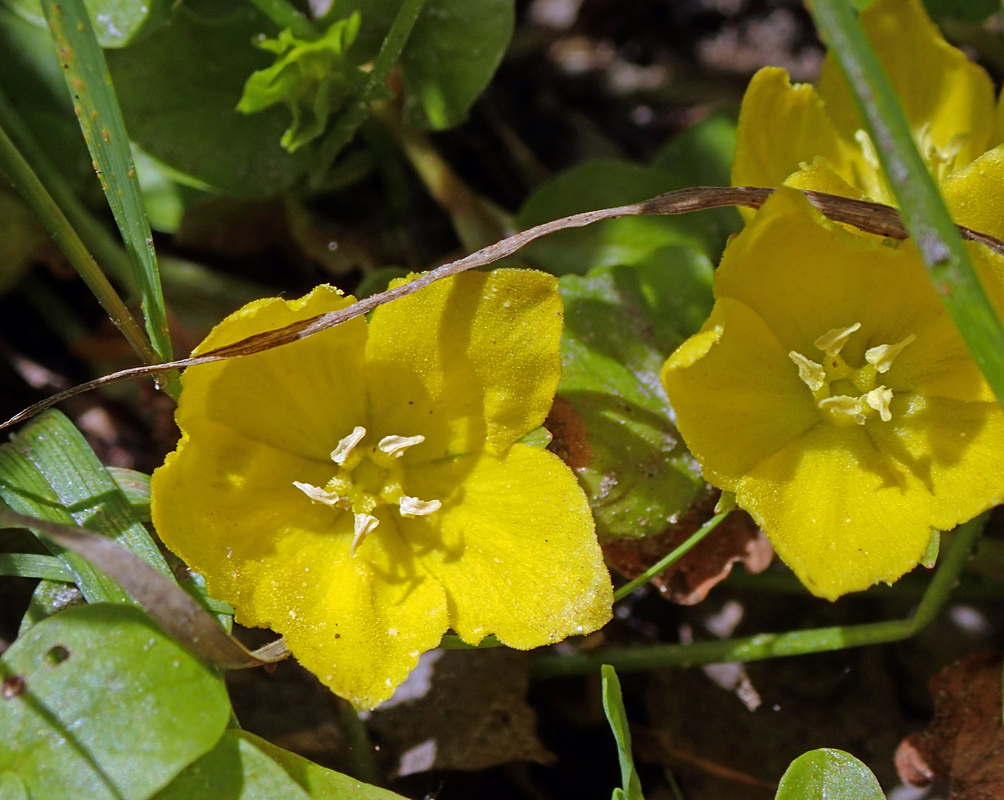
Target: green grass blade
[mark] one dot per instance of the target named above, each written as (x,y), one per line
(104,130)
(49,471)
(924,212)
(30,565)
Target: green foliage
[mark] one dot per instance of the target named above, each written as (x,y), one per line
(117,23)
(313,78)
(828,774)
(613,707)
(199,64)
(449,58)
(961,10)
(701,156)
(621,323)
(104,705)
(49,471)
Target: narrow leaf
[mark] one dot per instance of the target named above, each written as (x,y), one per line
(613,707)
(104,130)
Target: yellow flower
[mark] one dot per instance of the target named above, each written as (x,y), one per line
(830,390)
(363,490)
(809,139)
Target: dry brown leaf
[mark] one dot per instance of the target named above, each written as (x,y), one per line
(688,581)
(964,744)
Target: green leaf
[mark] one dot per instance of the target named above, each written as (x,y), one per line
(921,206)
(449,58)
(961,10)
(236,769)
(319,783)
(621,323)
(49,471)
(116,22)
(613,707)
(313,78)
(49,597)
(104,131)
(179,93)
(105,706)
(828,774)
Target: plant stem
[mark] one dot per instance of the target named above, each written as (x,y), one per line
(776,645)
(670,559)
(365,766)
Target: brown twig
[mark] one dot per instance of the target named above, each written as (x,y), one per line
(869,217)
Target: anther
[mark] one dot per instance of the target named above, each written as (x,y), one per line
(882,356)
(812,374)
(413,507)
(345,447)
(843,404)
(879,400)
(364,524)
(317,494)
(833,340)
(394,446)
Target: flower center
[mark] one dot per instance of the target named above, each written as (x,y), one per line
(845,394)
(941,161)
(368,477)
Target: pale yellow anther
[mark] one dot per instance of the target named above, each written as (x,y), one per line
(833,340)
(345,447)
(879,399)
(843,404)
(317,494)
(882,356)
(394,446)
(413,507)
(812,374)
(364,524)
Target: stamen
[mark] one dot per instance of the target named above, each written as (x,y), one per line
(868,149)
(881,357)
(833,340)
(843,404)
(413,507)
(879,400)
(812,374)
(345,447)
(394,446)
(364,524)
(317,494)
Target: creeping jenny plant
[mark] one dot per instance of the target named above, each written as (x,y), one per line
(830,390)
(363,490)
(814,138)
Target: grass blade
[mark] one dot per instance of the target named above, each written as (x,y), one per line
(104,130)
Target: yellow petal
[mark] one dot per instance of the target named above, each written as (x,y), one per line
(302,397)
(737,396)
(783,129)
(975,193)
(804,275)
(226,505)
(837,512)
(517,554)
(468,360)
(937,85)
(954,448)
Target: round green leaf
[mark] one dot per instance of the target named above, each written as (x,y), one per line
(828,774)
(621,323)
(236,769)
(451,56)
(99,703)
(179,93)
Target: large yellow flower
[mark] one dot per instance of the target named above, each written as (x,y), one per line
(830,390)
(363,490)
(815,139)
